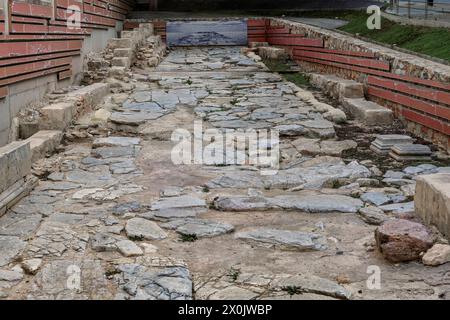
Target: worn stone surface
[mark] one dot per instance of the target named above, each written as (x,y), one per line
(141,282)
(373,215)
(402,240)
(113,210)
(199,227)
(437,211)
(10,248)
(306,203)
(139,228)
(285,239)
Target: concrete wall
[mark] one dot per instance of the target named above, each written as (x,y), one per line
(31,91)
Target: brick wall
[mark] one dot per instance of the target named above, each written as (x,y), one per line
(416,89)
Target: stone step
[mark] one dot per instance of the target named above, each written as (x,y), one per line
(120,43)
(121,62)
(43,142)
(368,112)
(273,53)
(15,163)
(123,52)
(57,116)
(336,87)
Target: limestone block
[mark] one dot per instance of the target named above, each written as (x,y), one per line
(432,200)
(121,62)
(90,95)
(57,116)
(15,163)
(368,112)
(43,142)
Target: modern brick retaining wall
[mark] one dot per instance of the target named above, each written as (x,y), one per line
(416,89)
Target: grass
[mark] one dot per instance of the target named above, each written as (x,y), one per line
(291,290)
(434,42)
(234,274)
(188,237)
(298,78)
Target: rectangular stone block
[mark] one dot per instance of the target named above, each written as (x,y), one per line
(349,89)
(272,53)
(123,52)
(43,142)
(57,116)
(432,200)
(15,163)
(120,43)
(121,62)
(91,95)
(368,112)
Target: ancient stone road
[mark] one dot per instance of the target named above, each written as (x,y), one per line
(114,218)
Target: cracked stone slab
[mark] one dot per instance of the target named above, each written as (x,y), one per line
(70,279)
(21,225)
(305,203)
(184,201)
(114,141)
(11,247)
(284,239)
(199,227)
(144,282)
(311,284)
(311,177)
(139,228)
(54,239)
(173,213)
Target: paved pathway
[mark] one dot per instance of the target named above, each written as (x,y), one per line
(114,217)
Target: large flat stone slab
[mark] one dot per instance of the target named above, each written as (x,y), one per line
(432,200)
(139,228)
(199,227)
(10,248)
(304,203)
(284,239)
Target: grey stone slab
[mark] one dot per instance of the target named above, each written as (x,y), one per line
(285,239)
(184,201)
(11,248)
(114,141)
(305,203)
(139,282)
(199,227)
(139,228)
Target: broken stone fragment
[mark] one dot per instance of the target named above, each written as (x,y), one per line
(437,255)
(128,248)
(31,266)
(402,240)
(373,215)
